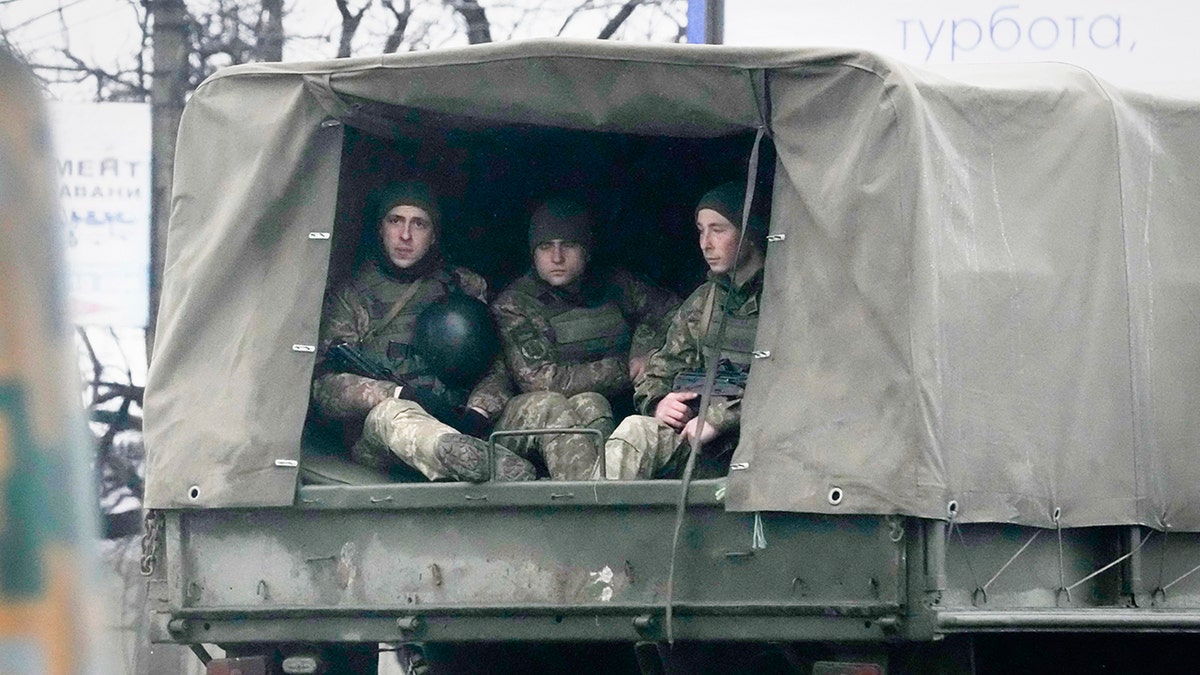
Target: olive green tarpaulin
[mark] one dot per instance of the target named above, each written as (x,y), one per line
(981,295)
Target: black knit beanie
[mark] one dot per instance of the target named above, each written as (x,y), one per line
(560,218)
(408,193)
(727,199)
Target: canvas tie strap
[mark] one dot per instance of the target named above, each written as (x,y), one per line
(758,540)
(1062,572)
(710,303)
(710,377)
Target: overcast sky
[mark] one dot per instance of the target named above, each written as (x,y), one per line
(106,33)
(1129,42)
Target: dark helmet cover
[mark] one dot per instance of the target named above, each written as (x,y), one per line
(457,340)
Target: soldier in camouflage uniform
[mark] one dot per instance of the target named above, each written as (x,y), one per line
(656,443)
(376,311)
(574,340)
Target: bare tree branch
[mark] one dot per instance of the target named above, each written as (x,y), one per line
(618,19)
(270,38)
(402,18)
(97,369)
(109,85)
(143,15)
(34,19)
(117,465)
(417,36)
(479,30)
(587,4)
(350,22)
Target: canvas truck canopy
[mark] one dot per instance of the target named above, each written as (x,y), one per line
(979,299)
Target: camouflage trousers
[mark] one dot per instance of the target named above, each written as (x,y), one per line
(566,456)
(639,447)
(404,430)
(642,447)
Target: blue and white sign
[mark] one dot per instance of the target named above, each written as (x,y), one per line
(103,152)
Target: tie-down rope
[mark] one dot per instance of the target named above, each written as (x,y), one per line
(1064,588)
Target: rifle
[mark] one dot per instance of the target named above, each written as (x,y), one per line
(344,358)
(730,381)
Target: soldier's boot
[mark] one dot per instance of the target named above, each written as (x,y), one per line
(466,458)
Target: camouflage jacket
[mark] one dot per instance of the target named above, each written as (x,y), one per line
(688,346)
(353,313)
(524,313)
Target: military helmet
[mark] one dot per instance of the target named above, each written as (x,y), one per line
(456,339)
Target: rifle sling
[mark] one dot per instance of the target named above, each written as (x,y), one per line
(706,316)
(393,311)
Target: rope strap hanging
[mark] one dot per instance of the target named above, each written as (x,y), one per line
(710,377)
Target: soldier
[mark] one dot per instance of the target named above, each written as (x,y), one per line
(376,311)
(655,443)
(574,338)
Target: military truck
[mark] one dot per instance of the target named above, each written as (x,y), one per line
(968,442)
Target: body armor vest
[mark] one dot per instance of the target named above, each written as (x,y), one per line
(582,334)
(392,342)
(737,344)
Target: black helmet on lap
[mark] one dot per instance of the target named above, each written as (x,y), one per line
(456,340)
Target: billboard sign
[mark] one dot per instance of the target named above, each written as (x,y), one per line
(1129,43)
(103,154)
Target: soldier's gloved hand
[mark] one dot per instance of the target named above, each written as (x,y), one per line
(673,409)
(474,423)
(432,396)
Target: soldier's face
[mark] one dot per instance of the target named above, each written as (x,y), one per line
(407,233)
(719,241)
(559,262)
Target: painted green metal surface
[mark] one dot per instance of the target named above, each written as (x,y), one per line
(545,561)
(561,562)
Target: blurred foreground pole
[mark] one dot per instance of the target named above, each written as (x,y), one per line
(168,90)
(706,22)
(51,618)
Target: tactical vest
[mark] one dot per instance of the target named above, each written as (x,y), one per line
(737,343)
(393,342)
(582,334)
